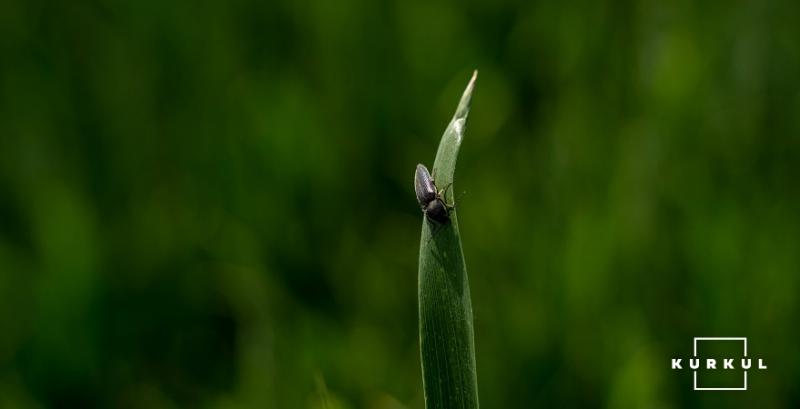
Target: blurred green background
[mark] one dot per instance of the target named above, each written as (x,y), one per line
(210,204)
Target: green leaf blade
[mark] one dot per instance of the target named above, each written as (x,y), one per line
(447,346)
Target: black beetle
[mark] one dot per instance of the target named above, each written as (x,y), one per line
(431,200)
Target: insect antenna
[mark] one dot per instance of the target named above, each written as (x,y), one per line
(460,195)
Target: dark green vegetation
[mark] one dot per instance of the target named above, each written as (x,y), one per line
(446,331)
(209,204)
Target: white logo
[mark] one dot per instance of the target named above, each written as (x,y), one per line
(727,364)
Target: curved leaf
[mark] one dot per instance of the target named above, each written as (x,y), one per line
(445,311)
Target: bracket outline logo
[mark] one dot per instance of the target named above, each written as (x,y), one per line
(694,354)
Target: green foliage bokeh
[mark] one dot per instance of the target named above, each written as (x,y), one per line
(210,204)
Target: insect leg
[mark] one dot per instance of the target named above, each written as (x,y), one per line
(444,191)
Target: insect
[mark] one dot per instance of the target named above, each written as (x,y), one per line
(431,200)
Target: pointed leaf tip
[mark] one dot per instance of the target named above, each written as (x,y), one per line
(466,99)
